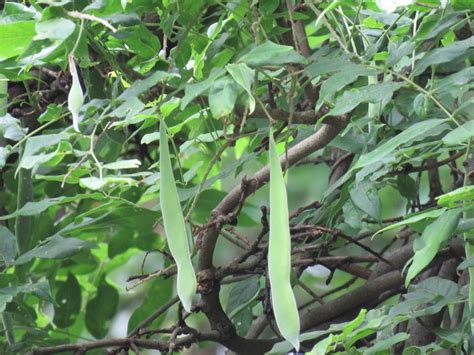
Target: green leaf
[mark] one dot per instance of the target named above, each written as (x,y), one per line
(279,254)
(460,80)
(335,63)
(414,218)
(68,300)
(365,197)
(467,263)
(54,2)
(7,245)
(222,97)
(92,183)
(159,293)
(443,55)
(341,79)
(10,128)
(404,137)
(56,247)
(387,344)
(150,137)
(422,105)
(270,53)
(406,186)
(52,113)
(54,29)
(463,196)
(376,93)
(285,346)
(123,164)
(140,86)
(35,149)
(322,346)
(244,76)
(4,153)
(242,294)
(462,4)
(268,7)
(243,320)
(436,24)
(15,38)
(101,309)
(396,54)
(40,289)
(433,237)
(34,208)
(192,91)
(349,327)
(460,134)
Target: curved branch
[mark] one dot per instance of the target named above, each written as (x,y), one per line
(366,293)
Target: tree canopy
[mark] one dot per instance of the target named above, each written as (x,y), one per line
(246,176)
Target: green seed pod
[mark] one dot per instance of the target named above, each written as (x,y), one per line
(75,98)
(175,227)
(279,255)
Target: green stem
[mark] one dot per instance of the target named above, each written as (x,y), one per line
(23,223)
(469,244)
(6,317)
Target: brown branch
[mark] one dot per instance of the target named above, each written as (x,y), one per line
(432,164)
(302,117)
(312,205)
(153,316)
(369,291)
(386,277)
(366,248)
(126,343)
(302,45)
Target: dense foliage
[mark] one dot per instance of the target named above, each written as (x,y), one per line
(361,114)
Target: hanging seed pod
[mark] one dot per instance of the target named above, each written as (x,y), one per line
(75,98)
(175,227)
(279,255)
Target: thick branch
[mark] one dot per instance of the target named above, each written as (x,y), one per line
(366,293)
(385,278)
